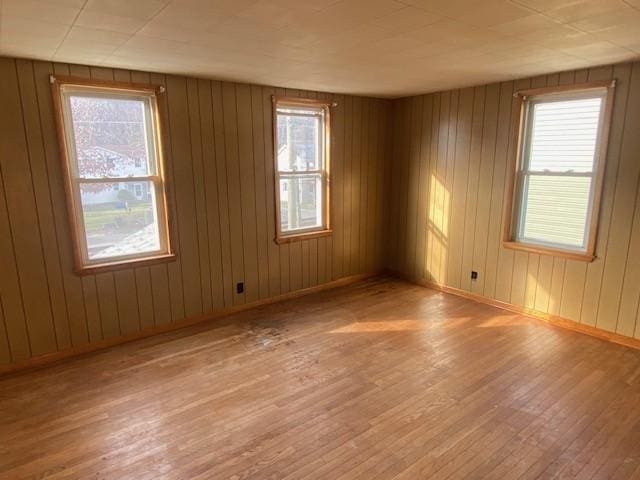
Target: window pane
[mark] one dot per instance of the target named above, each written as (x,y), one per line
(120,218)
(299,139)
(563,135)
(110,136)
(555,210)
(300,202)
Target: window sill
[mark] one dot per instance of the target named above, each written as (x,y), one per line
(124,264)
(556,252)
(302,236)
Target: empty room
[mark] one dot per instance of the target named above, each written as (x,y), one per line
(319,239)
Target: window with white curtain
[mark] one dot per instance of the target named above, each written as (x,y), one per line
(559,169)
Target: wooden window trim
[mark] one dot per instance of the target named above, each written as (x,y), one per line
(159,180)
(324,230)
(515,154)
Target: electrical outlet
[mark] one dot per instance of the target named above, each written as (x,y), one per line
(474,275)
(240,287)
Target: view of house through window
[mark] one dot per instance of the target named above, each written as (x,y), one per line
(301,167)
(114,173)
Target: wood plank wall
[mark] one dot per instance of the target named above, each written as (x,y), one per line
(448,178)
(220,163)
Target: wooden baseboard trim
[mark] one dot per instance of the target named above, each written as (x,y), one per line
(550,319)
(50,358)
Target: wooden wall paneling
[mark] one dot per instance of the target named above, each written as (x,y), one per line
(229,106)
(621,224)
(23,216)
(404,170)
(10,292)
(493,274)
(305,262)
(485,183)
(384,181)
(383,175)
(81,301)
(393,235)
(210,181)
(424,184)
(247,192)
(108,305)
(619,294)
(347,196)
(637,332)
(395,171)
(273,248)
(336,244)
(160,294)
(228,286)
(513,279)
(49,242)
(127,301)
(595,270)
(201,211)
(312,277)
(459,180)
(5,351)
(174,285)
(325,273)
(373,161)
(365,159)
(630,296)
(385,143)
(440,196)
(456,132)
(356,213)
(185,202)
(471,189)
(143,287)
(433,237)
(411,195)
(260,159)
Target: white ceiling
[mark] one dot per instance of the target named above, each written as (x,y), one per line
(372,47)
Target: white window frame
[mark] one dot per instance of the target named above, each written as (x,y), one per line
(63,89)
(516,196)
(324,149)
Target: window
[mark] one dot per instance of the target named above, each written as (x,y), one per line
(110,144)
(301,141)
(560,166)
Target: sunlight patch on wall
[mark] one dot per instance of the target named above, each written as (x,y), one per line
(438,230)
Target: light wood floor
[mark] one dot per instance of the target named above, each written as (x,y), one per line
(379,380)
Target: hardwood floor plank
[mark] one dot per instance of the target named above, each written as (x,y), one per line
(378,380)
